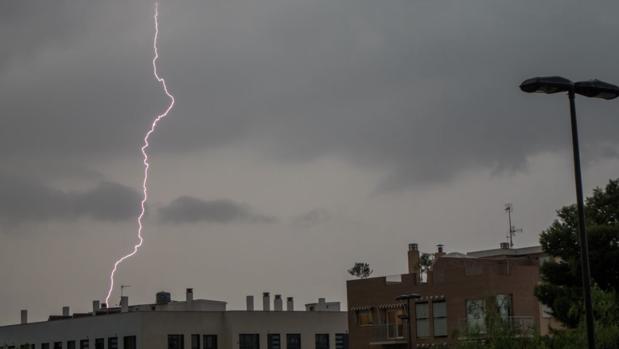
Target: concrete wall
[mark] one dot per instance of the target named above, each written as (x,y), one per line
(113,325)
(152,328)
(308,324)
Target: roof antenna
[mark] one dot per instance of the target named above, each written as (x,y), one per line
(509,208)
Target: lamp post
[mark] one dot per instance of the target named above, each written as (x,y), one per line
(407,298)
(591,88)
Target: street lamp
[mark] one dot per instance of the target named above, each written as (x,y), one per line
(591,88)
(407,298)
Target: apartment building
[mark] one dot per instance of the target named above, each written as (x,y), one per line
(188,324)
(455,294)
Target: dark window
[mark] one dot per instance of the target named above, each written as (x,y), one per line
(322,341)
(44,345)
(249,341)
(195,341)
(209,341)
(293,341)
(423,322)
(70,344)
(84,344)
(439,312)
(130,342)
(57,345)
(274,341)
(176,341)
(341,341)
(99,343)
(112,343)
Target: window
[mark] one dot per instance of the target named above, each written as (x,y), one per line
(322,341)
(423,324)
(439,312)
(45,346)
(273,341)
(195,341)
(249,341)
(176,341)
(70,344)
(99,343)
(293,341)
(130,342)
(393,319)
(57,345)
(341,341)
(84,343)
(476,315)
(209,341)
(364,317)
(112,343)
(504,306)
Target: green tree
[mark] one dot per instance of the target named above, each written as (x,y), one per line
(361,270)
(606,313)
(561,289)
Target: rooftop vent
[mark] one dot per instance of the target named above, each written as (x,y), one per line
(266,301)
(163,298)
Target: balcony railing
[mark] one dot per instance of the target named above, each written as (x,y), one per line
(519,325)
(388,334)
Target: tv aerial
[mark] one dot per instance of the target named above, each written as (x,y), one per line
(509,208)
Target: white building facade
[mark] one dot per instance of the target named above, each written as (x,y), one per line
(191,324)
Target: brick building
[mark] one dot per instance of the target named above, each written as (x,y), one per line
(456,293)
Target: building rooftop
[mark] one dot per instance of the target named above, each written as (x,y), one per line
(501,252)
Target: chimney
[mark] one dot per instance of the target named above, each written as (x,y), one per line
(278,304)
(124,304)
(24,316)
(439,250)
(504,245)
(290,304)
(414,266)
(322,300)
(189,295)
(266,301)
(65,311)
(95,307)
(250,303)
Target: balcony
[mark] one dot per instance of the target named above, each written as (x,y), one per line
(385,334)
(519,325)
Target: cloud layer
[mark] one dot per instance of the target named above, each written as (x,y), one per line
(26,200)
(424,91)
(187,209)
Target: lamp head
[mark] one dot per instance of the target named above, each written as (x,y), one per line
(596,89)
(546,84)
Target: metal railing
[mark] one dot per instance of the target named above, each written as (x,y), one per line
(520,325)
(388,334)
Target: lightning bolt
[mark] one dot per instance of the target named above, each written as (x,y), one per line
(144,149)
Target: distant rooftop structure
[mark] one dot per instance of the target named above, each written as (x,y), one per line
(505,251)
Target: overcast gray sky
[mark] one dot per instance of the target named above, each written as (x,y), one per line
(307,135)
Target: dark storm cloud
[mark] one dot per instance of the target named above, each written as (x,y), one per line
(424,90)
(26,200)
(187,209)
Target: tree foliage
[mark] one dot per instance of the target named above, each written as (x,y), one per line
(361,270)
(562,288)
